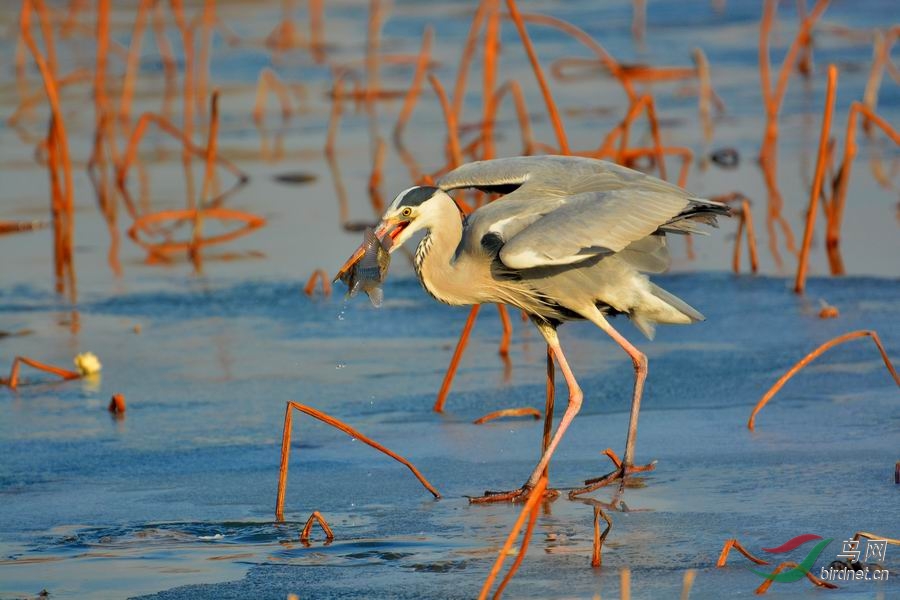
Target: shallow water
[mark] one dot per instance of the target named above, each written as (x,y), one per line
(177,498)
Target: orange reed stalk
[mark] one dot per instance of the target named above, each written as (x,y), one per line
(415,88)
(832,239)
(322,277)
(7,227)
(316,12)
(208,176)
(814,355)
(881,54)
(599,538)
(687,583)
(503,350)
(117,404)
(509,412)
(46,25)
(491,50)
(376,177)
(133,62)
(140,128)
(269,79)
(604,57)
(450,118)
(529,511)
(704,95)
(316,517)
(60,143)
(334,118)
(170,67)
(211,146)
(373,44)
(13,381)
(102,50)
(645,102)
(520,556)
(30,101)
(561,138)
(773,99)
(515,90)
(329,420)
(104,140)
(189,93)
(875,536)
(57,209)
(454,362)
(207,24)
(813,209)
(620,131)
(625,584)
(736,545)
(764,586)
(745,222)
(144,223)
(466,58)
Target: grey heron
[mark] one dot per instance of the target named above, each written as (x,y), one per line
(571,238)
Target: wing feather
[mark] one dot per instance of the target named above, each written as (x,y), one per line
(589,225)
(561,210)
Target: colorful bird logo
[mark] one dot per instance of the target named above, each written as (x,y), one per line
(805,565)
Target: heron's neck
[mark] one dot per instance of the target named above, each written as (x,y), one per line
(435,257)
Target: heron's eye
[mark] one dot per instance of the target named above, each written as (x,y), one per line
(406,212)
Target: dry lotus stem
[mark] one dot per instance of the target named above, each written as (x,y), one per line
(319,275)
(813,209)
(832,238)
(687,583)
(528,511)
(764,586)
(734,544)
(316,517)
(13,380)
(815,354)
(454,362)
(328,420)
(117,404)
(596,559)
(509,412)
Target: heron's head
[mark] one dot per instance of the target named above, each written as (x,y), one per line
(417,208)
(412,210)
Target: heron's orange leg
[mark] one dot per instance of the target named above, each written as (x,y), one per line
(575,399)
(626,466)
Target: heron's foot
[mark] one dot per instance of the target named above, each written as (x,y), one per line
(519,495)
(622,473)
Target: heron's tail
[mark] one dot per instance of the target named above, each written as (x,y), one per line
(698,212)
(668,309)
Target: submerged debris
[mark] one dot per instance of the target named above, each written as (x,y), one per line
(369,273)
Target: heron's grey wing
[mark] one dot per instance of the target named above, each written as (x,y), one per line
(591,224)
(552,173)
(488,174)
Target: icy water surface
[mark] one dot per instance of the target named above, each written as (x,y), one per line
(181,492)
(176,500)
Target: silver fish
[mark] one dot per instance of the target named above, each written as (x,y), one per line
(369,273)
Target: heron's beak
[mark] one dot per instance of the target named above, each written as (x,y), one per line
(386,232)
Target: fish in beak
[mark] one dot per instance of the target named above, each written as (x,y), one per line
(367,268)
(385,233)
